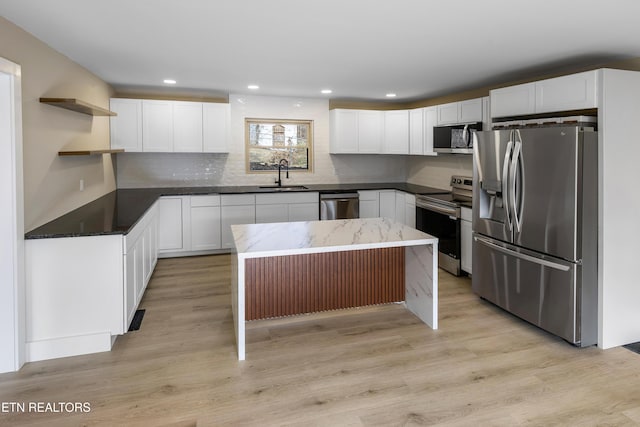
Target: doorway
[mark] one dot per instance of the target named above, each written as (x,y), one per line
(12,285)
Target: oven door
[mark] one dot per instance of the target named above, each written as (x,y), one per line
(442,222)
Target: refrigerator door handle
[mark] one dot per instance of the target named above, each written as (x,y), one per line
(513,193)
(505,183)
(522,256)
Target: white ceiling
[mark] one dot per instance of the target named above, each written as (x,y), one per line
(361,49)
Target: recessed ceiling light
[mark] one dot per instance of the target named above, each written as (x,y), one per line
(169,81)
(326,91)
(391,95)
(253,87)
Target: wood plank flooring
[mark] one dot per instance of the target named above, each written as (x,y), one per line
(377,366)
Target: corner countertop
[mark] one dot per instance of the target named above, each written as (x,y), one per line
(292,238)
(119,211)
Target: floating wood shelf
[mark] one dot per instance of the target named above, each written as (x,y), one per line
(89,152)
(77,106)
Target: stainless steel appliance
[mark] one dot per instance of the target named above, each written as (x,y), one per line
(438,214)
(339,206)
(535,226)
(456,139)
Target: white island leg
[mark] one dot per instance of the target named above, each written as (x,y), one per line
(421,282)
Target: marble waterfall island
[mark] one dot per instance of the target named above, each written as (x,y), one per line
(284,269)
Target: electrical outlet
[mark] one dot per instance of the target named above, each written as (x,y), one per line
(82,185)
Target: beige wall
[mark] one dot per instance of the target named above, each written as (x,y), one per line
(51,183)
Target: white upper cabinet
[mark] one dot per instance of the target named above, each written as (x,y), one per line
(187,127)
(370,130)
(170,126)
(157,126)
(396,132)
(448,113)
(216,127)
(356,131)
(126,127)
(343,131)
(460,112)
(421,123)
(513,100)
(573,92)
(416,131)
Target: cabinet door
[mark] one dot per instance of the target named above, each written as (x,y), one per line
(470,110)
(369,201)
(126,127)
(466,242)
(396,132)
(416,131)
(157,126)
(410,210)
(140,268)
(343,126)
(272,213)
(130,300)
(187,127)
(205,222)
(242,214)
(448,113)
(170,227)
(216,127)
(430,119)
(572,92)
(388,204)
(513,100)
(400,207)
(370,131)
(304,212)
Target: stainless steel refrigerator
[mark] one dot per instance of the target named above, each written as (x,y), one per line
(535,203)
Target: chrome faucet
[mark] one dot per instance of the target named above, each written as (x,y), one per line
(281,163)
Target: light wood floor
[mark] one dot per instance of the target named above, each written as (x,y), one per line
(374,366)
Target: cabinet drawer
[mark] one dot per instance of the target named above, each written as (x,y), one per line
(301,197)
(209,200)
(368,195)
(237,199)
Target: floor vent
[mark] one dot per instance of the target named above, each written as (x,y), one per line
(137,320)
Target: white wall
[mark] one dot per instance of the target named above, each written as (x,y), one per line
(169,169)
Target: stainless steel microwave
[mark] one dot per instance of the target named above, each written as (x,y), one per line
(457,139)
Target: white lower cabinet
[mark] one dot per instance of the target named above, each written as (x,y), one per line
(466,240)
(369,201)
(396,205)
(82,291)
(189,224)
(205,222)
(235,209)
(287,207)
(171,227)
(140,257)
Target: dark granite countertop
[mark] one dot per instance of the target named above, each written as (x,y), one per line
(119,211)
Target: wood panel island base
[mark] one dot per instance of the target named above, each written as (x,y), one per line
(284,269)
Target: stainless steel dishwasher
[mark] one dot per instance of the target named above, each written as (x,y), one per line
(339,206)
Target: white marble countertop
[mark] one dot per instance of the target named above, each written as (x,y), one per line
(289,238)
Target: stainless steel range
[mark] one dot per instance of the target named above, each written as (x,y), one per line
(439,215)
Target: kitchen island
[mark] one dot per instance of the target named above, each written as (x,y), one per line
(292,268)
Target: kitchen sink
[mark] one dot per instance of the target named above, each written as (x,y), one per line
(283,188)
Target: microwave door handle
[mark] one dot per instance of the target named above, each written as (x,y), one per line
(505,183)
(465,135)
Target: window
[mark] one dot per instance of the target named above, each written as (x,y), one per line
(270,141)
